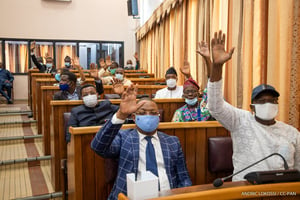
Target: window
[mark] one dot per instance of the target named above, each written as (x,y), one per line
(63,49)
(15,53)
(88,53)
(114,50)
(16,56)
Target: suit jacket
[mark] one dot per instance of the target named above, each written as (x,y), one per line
(86,116)
(111,142)
(40,66)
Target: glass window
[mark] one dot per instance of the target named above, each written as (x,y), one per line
(114,50)
(88,53)
(63,49)
(16,56)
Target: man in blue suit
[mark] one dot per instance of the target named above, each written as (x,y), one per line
(130,146)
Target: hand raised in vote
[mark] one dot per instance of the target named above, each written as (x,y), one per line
(128,103)
(118,86)
(203,49)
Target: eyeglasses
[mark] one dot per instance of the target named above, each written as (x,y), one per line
(263,101)
(147,113)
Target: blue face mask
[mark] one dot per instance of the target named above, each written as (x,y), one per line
(67,64)
(64,87)
(119,76)
(57,77)
(147,123)
(191,102)
(48,64)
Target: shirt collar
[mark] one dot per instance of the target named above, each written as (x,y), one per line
(142,136)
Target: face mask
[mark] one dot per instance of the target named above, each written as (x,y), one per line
(41,63)
(90,100)
(67,64)
(119,76)
(112,71)
(266,111)
(48,65)
(147,123)
(171,83)
(64,87)
(57,77)
(191,102)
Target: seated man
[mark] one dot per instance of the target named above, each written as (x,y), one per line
(6,83)
(172,90)
(193,110)
(44,68)
(69,89)
(129,65)
(132,146)
(92,112)
(254,134)
(120,75)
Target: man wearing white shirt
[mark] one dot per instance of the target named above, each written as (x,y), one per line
(130,146)
(172,90)
(256,134)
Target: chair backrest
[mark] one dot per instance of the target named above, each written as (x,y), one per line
(112,96)
(220,154)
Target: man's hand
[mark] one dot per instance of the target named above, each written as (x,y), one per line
(32,46)
(75,61)
(186,69)
(218,49)
(102,63)
(94,73)
(108,61)
(136,56)
(203,49)
(128,103)
(118,86)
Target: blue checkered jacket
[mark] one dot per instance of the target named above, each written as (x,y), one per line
(111,142)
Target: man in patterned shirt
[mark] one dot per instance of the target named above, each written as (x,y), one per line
(256,134)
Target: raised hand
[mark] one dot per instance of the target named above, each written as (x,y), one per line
(118,86)
(75,61)
(128,103)
(186,69)
(136,56)
(102,63)
(203,49)
(32,46)
(219,55)
(108,61)
(94,71)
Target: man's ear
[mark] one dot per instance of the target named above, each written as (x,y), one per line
(133,116)
(252,107)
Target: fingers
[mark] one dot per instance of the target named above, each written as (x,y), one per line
(231,51)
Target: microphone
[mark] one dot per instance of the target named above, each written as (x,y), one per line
(219,181)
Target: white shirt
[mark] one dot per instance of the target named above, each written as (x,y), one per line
(252,140)
(162,175)
(165,93)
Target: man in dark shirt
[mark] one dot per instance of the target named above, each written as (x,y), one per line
(6,81)
(92,112)
(44,68)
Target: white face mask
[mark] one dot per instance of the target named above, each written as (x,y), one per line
(171,83)
(266,111)
(90,100)
(119,76)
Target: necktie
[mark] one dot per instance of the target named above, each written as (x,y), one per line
(151,164)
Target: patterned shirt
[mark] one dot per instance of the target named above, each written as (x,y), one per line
(252,140)
(185,114)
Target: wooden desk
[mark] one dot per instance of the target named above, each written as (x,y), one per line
(135,71)
(30,71)
(147,81)
(139,75)
(232,190)
(86,169)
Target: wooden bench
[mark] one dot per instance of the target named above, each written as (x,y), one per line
(30,71)
(147,81)
(139,75)
(86,169)
(142,89)
(135,71)
(57,129)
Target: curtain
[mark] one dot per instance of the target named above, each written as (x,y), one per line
(265,35)
(62,52)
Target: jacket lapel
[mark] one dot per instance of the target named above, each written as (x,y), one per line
(136,150)
(166,156)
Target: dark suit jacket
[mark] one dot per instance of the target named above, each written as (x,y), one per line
(111,142)
(40,66)
(86,116)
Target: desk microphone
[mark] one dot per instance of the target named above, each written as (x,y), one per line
(219,181)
